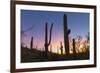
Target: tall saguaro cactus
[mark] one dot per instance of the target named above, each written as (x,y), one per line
(66,34)
(47,43)
(31,43)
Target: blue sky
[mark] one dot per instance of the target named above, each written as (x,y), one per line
(77,22)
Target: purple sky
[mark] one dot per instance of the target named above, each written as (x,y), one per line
(33,24)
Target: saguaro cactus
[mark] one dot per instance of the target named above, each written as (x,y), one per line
(61,48)
(74,50)
(31,43)
(46,38)
(66,34)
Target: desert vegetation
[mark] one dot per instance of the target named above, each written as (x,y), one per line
(73,48)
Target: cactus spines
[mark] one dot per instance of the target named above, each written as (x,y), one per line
(46,38)
(74,50)
(31,43)
(66,34)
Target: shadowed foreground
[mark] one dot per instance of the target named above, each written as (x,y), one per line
(33,55)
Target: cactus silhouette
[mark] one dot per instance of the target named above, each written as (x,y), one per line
(46,38)
(66,34)
(31,43)
(74,50)
(61,48)
(50,48)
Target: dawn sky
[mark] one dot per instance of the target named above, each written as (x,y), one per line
(33,24)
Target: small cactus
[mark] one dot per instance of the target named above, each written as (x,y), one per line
(50,48)
(61,48)
(31,43)
(74,50)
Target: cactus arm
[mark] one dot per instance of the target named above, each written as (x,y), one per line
(68,31)
(50,34)
(46,34)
